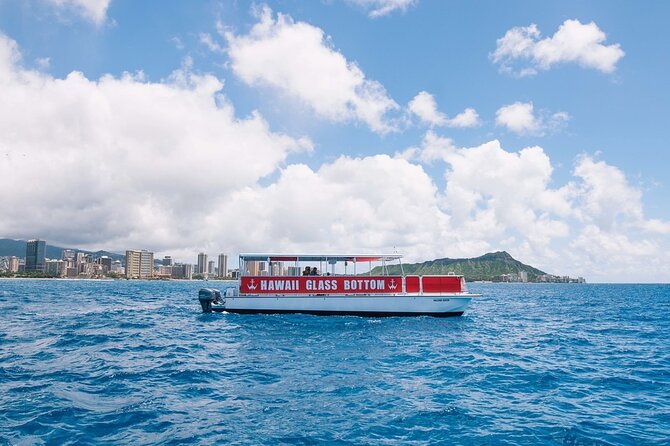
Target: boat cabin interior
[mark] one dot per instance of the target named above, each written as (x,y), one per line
(365,273)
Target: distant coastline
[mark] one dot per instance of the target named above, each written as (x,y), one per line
(76,264)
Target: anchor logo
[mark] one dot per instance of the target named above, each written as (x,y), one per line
(393,286)
(252,285)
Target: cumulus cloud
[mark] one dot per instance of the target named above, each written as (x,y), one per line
(492,194)
(496,198)
(574,42)
(123,161)
(423,106)
(297,59)
(510,189)
(520,118)
(468,118)
(615,239)
(607,198)
(380,8)
(433,148)
(94,10)
(120,162)
(618,257)
(369,203)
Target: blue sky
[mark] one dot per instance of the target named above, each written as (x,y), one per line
(419,125)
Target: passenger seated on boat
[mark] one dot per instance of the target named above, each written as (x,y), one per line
(306,272)
(314,272)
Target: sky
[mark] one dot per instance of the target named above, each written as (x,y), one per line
(429,128)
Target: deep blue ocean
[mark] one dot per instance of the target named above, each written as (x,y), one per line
(133,362)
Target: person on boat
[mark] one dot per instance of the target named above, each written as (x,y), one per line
(307,271)
(314,272)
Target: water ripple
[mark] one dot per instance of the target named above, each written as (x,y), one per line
(136,362)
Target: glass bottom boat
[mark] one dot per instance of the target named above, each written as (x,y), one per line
(291,283)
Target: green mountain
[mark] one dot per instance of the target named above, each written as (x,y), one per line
(9,247)
(486,267)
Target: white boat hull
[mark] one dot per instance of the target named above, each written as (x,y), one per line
(369,305)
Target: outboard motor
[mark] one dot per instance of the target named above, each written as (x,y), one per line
(207,296)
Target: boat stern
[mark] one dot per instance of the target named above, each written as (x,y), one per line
(207,297)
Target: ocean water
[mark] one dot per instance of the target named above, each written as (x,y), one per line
(118,362)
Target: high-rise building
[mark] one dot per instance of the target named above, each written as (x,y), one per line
(139,264)
(68,255)
(106,263)
(147,264)
(210,267)
(223,265)
(56,268)
(13,264)
(251,267)
(132,264)
(167,261)
(202,263)
(182,271)
(164,271)
(276,268)
(523,276)
(36,255)
(117,267)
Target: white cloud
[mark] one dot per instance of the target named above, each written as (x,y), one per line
(94,10)
(468,118)
(520,118)
(433,148)
(513,188)
(371,203)
(573,42)
(657,226)
(295,58)
(380,8)
(207,40)
(607,198)
(423,105)
(43,63)
(593,225)
(616,257)
(494,195)
(121,161)
(616,241)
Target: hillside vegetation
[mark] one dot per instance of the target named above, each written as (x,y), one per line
(9,247)
(485,267)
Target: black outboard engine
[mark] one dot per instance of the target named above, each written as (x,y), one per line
(207,296)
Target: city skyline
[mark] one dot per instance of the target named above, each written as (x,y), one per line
(141,264)
(434,129)
(136,264)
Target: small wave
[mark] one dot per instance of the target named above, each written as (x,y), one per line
(109,363)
